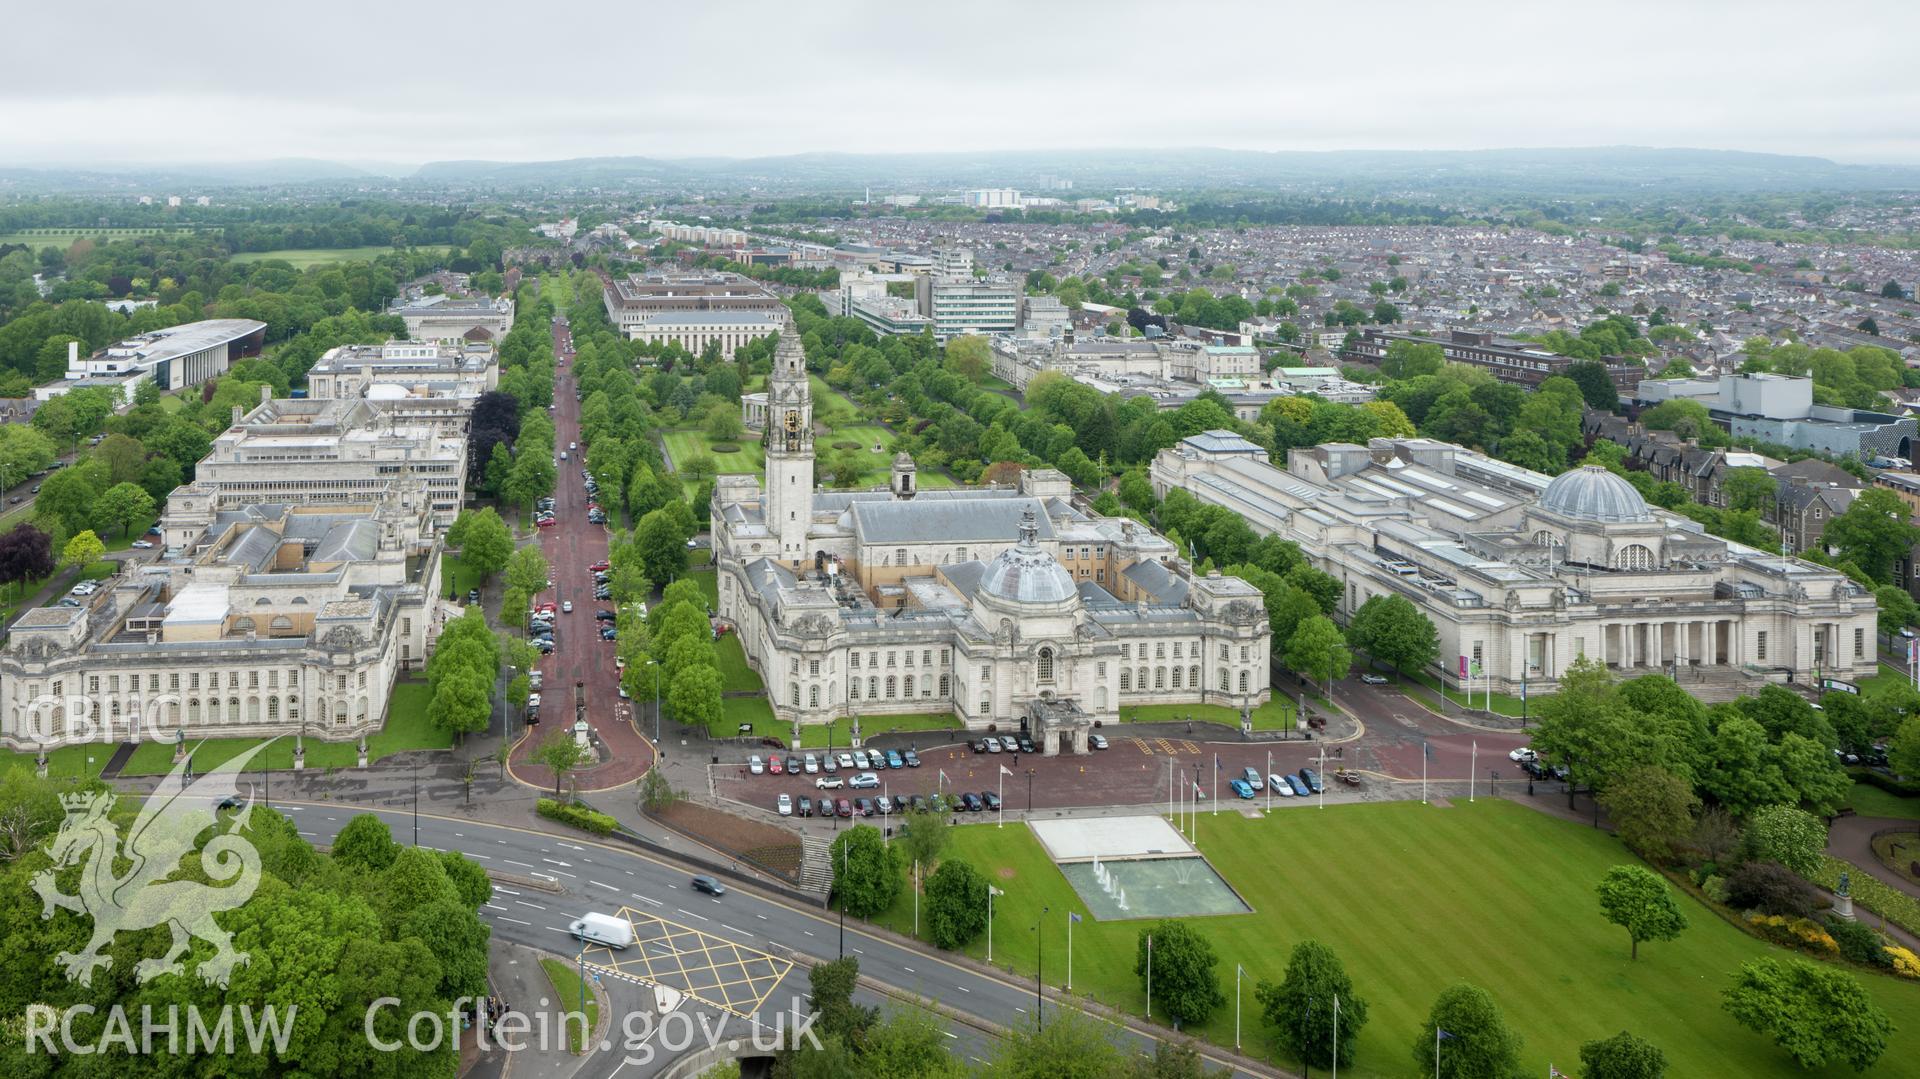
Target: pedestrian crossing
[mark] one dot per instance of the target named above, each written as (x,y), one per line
(1173,747)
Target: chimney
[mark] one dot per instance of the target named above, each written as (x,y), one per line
(236,415)
(73,355)
(266,393)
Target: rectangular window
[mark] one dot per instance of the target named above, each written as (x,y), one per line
(193,681)
(173,680)
(890,659)
(1223,652)
(406,627)
(1176,649)
(853,660)
(1126,651)
(946,687)
(1159,649)
(793,666)
(273,679)
(253,679)
(1100,669)
(1243,653)
(93,683)
(1760,646)
(909,658)
(986,706)
(926,657)
(946,656)
(1859,642)
(813,668)
(986,674)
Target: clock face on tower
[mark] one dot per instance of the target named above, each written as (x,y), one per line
(793,419)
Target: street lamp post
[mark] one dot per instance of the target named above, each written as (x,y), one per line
(1029,794)
(991,892)
(416,805)
(1236,1007)
(1039,964)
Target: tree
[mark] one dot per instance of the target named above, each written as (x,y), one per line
(1788,835)
(527,572)
(866,879)
(1300,1007)
(1637,900)
(1622,1056)
(1815,1012)
(969,356)
(956,904)
(1391,628)
(1596,386)
(1652,810)
(1410,359)
(561,754)
(1184,980)
(1474,1041)
(1740,772)
(1749,489)
(83,549)
(483,539)
(1317,650)
(1897,610)
(1903,754)
(24,451)
(923,835)
(1872,533)
(694,697)
(66,498)
(661,538)
(367,843)
(124,506)
(26,554)
(911,1043)
(1071,1045)
(462,701)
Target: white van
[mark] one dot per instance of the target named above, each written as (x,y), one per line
(603,929)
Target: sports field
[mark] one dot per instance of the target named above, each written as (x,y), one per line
(305,257)
(1415,898)
(62,238)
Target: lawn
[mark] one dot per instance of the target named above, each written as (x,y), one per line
(1502,703)
(735,675)
(687,443)
(407,729)
(566,981)
(708,580)
(306,257)
(60,237)
(757,711)
(1870,801)
(557,288)
(1415,898)
(1276,714)
(459,578)
(1885,679)
(67,762)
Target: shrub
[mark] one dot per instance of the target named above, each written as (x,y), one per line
(1715,888)
(1793,933)
(1895,906)
(578,816)
(1904,962)
(1858,943)
(1770,888)
(1871,778)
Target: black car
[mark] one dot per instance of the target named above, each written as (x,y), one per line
(863,807)
(793,765)
(605,616)
(609,634)
(979,745)
(473,595)
(1026,744)
(1535,769)
(804,808)
(970,802)
(709,885)
(990,799)
(1311,778)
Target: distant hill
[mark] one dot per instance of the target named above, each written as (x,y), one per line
(203,175)
(1572,170)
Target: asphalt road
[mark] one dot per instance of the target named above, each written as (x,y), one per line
(752,950)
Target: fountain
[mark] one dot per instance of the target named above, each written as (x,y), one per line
(1121,899)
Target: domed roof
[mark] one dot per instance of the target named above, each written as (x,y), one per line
(1592,493)
(903,459)
(1024,573)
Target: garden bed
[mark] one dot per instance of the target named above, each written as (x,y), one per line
(763,846)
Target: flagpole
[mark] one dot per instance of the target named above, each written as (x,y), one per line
(1436,1051)
(1149,976)
(1236,1007)
(1336,1036)
(1473,768)
(990,890)
(1423,773)
(1323,775)
(1070,920)
(1216,782)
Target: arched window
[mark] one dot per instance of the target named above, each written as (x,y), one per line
(873,687)
(893,685)
(1140,680)
(1126,679)
(243,625)
(1193,676)
(906,686)
(853,688)
(1044,671)
(1243,681)
(793,694)
(1223,679)
(1634,556)
(193,711)
(813,696)
(1176,678)
(946,686)
(280,624)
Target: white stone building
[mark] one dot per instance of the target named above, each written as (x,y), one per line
(1521,573)
(1009,607)
(446,318)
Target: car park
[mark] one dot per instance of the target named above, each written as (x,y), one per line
(884,805)
(756,765)
(1251,777)
(1312,779)
(1241,787)
(860,759)
(1279,786)
(793,765)
(992,744)
(1298,786)
(864,780)
(811,763)
(828,764)
(709,886)
(1374,679)
(980,745)
(1026,744)
(912,758)
(829,783)
(1097,741)
(784,805)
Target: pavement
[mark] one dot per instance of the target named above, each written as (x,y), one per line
(580,657)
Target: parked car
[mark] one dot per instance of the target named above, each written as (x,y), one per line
(775,766)
(1251,776)
(793,765)
(884,804)
(1026,744)
(844,760)
(864,780)
(543,522)
(828,764)
(784,804)
(990,800)
(756,765)
(1298,786)
(143,545)
(804,808)
(993,744)
(863,806)
(843,807)
(829,783)
(1374,679)
(912,758)
(860,760)
(1313,779)
(1097,741)
(1279,786)
(1241,787)
(971,802)
(980,746)
(566,607)
(1524,753)
(894,760)
(600,567)
(605,616)
(812,764)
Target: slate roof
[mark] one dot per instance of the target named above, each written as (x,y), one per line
(953,520)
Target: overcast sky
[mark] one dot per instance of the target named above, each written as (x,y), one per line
(116,82)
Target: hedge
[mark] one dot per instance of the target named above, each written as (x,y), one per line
(1895,906)
(1873,778)
(579,816)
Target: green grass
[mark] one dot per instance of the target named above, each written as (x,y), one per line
(123,540)
(558,288)
(1276,714)
(687,443)
(1871,801)
(1415,898)
(709,582)
(839,733)
(566,979)
(305,257)
(172,402)
(735,675)
(459,577)
(1502,703)
(67,762)
(407,729)
(60,237)
(1887,678)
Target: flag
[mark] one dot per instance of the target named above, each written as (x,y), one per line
(991,890)
(1005,771)
(1440,1034)
(943,774)
(1072,917)
(1427,748)
(1556,1073)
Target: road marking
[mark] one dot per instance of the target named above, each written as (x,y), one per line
(1019,1009)
(522,865)
(515,921)
(963,989)
(951,1034)
(644,899)
(762,917)
(310,833)
(509,891)
(524,903)
(691,914)
(731,929)
(808,932)
(482,857)
(563,865)
(608,887)
(909,970)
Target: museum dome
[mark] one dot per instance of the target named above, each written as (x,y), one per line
(1591,493)
(1025,573)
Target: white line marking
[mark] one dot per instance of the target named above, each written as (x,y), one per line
(515,921)
(608,887)
(510,861)
(524,903)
